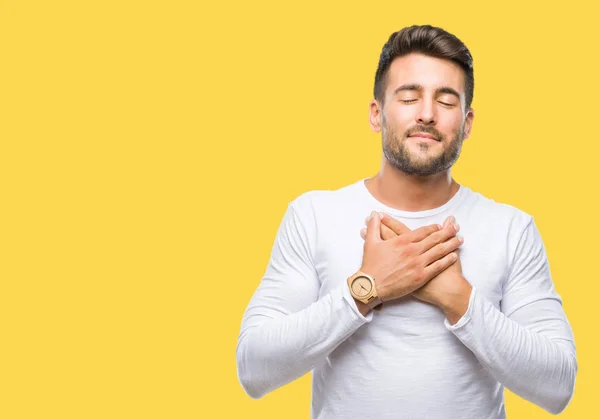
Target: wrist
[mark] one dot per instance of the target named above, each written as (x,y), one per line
(363,291)
(457,303)
(362,307)
(379,289)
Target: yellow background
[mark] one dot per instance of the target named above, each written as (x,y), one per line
(149,150)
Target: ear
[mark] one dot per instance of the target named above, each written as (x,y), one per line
(375,110)
(469,123)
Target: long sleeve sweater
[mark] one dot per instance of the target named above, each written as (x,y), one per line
(407,360)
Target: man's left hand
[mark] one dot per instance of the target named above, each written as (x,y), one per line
(449,290)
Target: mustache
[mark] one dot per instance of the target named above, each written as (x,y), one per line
(427,130)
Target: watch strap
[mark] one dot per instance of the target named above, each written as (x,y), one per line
(375,304)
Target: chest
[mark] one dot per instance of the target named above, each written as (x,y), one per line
(483,255)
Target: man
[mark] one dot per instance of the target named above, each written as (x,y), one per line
(457,317)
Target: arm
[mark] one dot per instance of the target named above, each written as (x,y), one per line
(528,345)
(287,329)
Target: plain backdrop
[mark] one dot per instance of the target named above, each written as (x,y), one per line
(149,150)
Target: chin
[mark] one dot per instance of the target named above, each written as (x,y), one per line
(425,158)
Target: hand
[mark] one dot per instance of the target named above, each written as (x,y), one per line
(449,289)
(404,263)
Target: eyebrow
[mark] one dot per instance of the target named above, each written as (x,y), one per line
(444,89)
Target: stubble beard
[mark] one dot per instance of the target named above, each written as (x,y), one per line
(402,158)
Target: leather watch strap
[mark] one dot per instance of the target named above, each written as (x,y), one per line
(376,304)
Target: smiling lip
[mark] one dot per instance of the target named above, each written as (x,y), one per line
(423,135)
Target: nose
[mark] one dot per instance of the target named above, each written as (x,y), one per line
(426,114)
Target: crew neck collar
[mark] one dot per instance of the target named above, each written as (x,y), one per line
(379,206)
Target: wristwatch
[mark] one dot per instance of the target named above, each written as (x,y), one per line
(362,288)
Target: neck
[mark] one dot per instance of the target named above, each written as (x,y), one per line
(405,192)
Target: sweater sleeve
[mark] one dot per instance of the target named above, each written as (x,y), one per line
(287,329)
(528,344)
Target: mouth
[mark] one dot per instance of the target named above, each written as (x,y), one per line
(424,136)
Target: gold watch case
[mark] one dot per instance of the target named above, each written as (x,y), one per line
(362,288)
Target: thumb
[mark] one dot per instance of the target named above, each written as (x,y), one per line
(374,228)
(448,220)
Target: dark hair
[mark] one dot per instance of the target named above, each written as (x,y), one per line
(427,40)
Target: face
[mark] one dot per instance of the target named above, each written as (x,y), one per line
(426,96)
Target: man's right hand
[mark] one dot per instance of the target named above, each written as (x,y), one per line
(404,263)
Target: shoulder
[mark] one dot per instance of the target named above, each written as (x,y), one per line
(501,222)
(316,209)
(490,211)
(321,202)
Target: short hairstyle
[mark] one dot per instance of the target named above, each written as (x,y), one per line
(428,40)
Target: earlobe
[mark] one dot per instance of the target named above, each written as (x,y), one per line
(468,123)
(374,116)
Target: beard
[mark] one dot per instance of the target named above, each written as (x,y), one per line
(424,162)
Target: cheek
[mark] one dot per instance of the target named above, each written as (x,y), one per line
(399,123)
(450,127)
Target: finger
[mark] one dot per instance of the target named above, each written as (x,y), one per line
(422,232)
(452,220)
(395,225)
(368,217)
(437,237)
(440,265)
(386,232)
(441,250)
(447,220)
(373,228)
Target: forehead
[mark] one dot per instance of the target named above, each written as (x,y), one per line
(429,72)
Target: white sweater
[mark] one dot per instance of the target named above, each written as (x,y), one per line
(407,361)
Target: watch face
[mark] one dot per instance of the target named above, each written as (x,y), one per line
(361,286)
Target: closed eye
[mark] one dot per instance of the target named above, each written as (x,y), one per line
(414,100)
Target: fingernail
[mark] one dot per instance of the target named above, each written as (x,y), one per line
(381,214)
(456,227)
(460,239)
(373,214)
(363,231)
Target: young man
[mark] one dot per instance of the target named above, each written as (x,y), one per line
(457,317)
